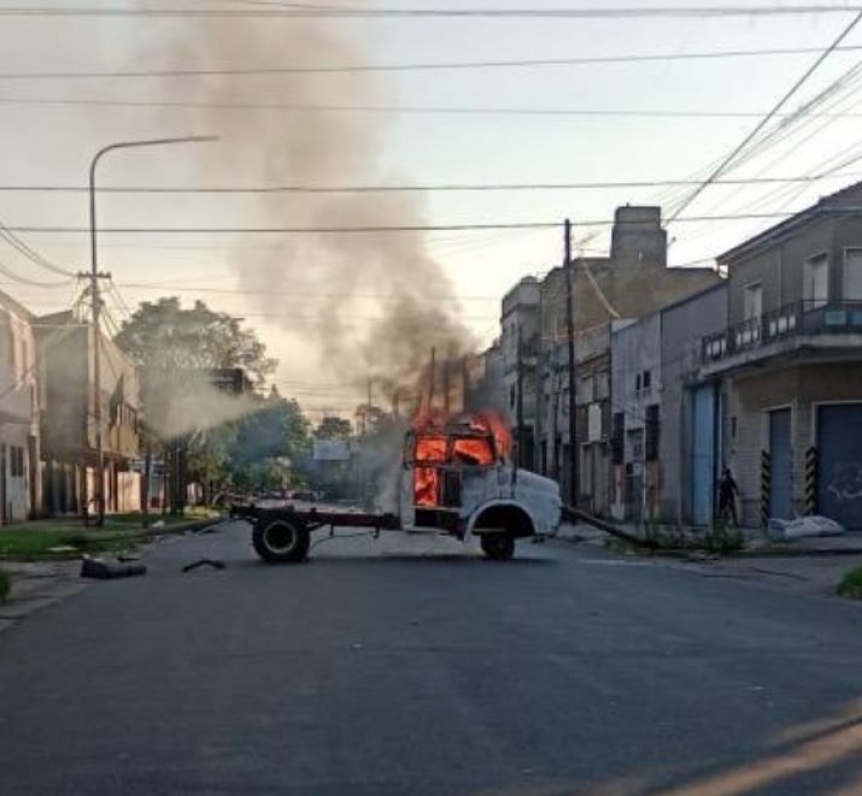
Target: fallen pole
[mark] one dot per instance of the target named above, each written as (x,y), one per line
(572,514)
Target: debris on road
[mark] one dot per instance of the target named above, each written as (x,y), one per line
(204,562)
(803,527)
(100,569)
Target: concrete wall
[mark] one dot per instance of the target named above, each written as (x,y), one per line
(682,326)
(780,267)
(635,351)
(749,399)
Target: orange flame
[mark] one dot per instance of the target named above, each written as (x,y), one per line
(431,426)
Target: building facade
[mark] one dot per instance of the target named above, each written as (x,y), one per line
(68,431)
(790,365)
(631,282)
(19,415)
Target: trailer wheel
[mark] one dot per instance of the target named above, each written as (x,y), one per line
(498,546)
(281,541)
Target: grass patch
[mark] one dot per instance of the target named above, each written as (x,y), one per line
(38,544)
(34,541)
(851,584)
(5,585)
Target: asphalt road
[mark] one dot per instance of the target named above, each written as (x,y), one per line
(417,667)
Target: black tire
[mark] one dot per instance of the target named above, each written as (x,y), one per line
(498,546)
(280,541)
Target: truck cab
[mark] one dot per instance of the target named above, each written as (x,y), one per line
(456,479)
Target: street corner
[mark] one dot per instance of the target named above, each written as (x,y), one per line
(37,585)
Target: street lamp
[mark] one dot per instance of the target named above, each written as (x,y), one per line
(94,290)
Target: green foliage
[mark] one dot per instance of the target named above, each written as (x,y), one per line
(722,540)
(851,584)
(162,335)
(5,585)
(333,428)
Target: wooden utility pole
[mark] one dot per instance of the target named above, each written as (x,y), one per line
(520,407)
(431,376)
(570,340)
(446,388)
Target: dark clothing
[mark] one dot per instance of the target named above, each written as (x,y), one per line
(727,491)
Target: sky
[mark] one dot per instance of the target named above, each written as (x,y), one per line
(51,144)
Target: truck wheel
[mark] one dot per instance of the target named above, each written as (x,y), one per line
(498,546)
(280,541)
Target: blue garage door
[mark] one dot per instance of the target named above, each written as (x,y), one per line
(703,475)
(781,452)
(839,448)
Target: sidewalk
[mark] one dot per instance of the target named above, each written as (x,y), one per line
(812,566)
(36,585)
(758,544)
(39,584)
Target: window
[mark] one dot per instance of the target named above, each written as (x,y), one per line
(647,380)
(815,287)
(638,383)
(753,301)
(618,438)
(651,435)
(852,288)
(16,461)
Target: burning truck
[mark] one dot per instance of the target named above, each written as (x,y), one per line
(457,478)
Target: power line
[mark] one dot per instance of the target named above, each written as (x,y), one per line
(433,188)
(407,228)
(728,161)
(270,10)
(419,110)
(416,67)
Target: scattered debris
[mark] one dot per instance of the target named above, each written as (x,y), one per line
(108,570)
(204,562)
(814,525)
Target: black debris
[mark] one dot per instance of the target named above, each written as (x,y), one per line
(204,562)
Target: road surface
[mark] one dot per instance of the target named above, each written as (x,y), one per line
(417,667)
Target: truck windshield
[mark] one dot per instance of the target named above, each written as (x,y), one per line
(473,451)
(431,449)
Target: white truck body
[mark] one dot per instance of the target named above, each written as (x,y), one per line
(467,491)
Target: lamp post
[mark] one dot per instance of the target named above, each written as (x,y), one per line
(94,290)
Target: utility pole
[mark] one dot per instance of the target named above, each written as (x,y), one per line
(94,277)
(520,406)
(446,389)
(431,375)
(570,340)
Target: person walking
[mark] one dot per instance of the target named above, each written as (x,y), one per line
(727,492)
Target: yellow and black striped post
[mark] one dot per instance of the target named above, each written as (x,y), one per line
(811,481)
(765,483)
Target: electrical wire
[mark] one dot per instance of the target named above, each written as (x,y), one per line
(415,67)
(395,228)
(728,161)
(285,10)
(409,110)
(426,188)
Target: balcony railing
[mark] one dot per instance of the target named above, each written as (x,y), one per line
(792,320)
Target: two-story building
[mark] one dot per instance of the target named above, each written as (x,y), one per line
(632,281)
(68,431)
(784,378)
(664,442)
(520,325)
(19,415)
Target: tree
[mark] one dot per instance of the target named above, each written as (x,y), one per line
(333,428)
(182,412)
(162,335)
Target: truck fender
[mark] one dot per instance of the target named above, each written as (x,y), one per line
(501,504)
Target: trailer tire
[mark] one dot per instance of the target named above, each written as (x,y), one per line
(498,546)
(281,541)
